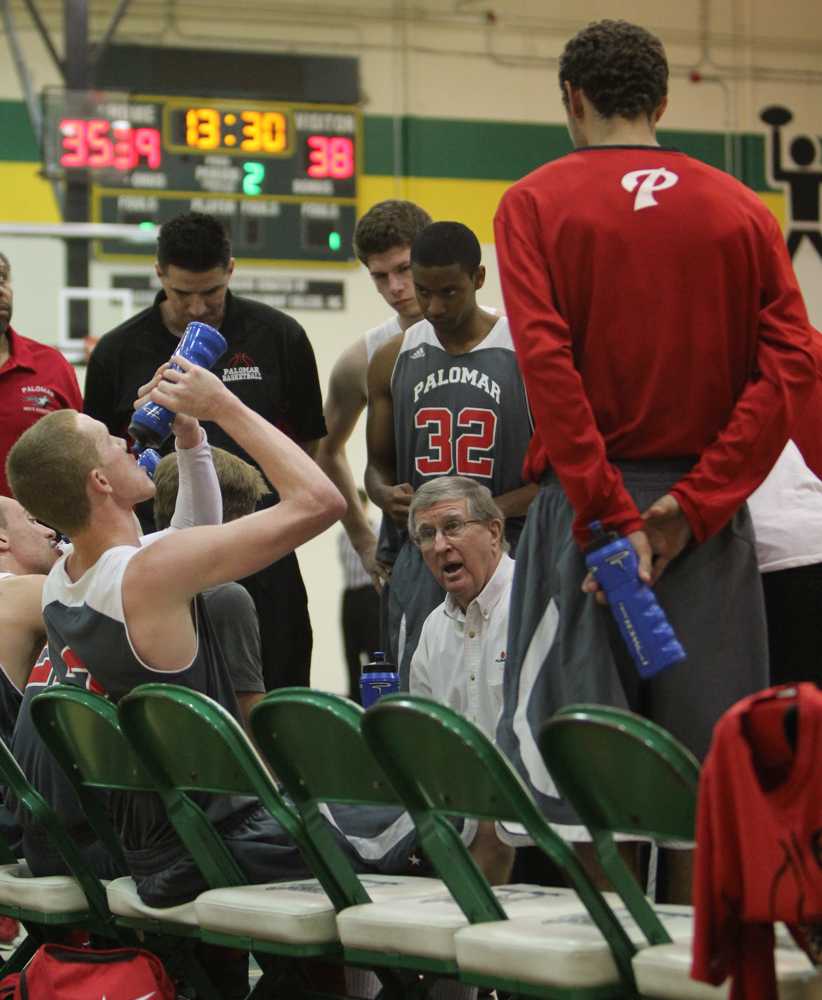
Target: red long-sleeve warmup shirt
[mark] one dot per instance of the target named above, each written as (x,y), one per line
(655,315)
(759,840)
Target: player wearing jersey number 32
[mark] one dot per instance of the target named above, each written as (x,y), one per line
(445,398)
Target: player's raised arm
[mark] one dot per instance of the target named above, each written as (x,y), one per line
(199,500)
(193,560)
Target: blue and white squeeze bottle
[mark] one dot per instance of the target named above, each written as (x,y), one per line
(642,623)
(202,345)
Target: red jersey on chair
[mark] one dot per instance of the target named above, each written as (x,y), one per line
(759,839)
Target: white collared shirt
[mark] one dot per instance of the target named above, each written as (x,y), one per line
(460,658)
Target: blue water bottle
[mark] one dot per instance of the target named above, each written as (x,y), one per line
(148,459)
(645,629)
(201,344)
(377,678)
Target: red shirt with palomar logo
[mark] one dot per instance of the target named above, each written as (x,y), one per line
(35,380)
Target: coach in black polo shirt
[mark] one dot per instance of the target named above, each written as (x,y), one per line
(269,364)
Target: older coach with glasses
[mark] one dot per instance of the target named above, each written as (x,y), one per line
(460,658)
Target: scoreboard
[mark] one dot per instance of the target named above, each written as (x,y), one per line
(281,176)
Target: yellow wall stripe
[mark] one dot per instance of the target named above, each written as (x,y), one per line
(26,197)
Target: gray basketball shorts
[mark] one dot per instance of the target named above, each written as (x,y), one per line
(563,647)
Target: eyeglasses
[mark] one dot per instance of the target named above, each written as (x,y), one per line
(450,529)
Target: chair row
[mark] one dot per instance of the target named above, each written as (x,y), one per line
(529,940)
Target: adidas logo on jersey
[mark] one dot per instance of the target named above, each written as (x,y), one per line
(419,353)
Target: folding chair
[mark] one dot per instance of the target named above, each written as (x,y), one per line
(294,729)
(44,903)
(189,743)
(313,742)
(82,732)
(625,775)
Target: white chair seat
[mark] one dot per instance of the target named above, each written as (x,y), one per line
(426,926)
(557,950)
(45,894)
(124,901)
(294,912)
(663,972)
(571,951)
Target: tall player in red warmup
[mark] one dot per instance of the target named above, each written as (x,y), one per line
(665,349)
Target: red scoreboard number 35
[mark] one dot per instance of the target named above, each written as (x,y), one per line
(97,143)
(330,156)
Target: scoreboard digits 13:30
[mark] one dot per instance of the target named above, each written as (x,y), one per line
(174,154)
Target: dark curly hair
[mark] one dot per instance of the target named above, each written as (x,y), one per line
(444,243)
(193,241)
(620,67)
(388,224)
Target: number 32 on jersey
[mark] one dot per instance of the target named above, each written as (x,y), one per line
(463,446)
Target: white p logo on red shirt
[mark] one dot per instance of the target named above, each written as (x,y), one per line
(645,182)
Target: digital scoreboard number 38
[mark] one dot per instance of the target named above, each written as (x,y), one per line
(282,177)
(254,131)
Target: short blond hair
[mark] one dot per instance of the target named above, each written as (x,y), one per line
(241,486)
(48,468)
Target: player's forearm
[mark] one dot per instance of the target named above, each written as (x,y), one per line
(295,476)
(378,482)
(334,463)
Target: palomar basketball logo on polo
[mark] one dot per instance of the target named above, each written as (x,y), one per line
(240,368)
(646,182)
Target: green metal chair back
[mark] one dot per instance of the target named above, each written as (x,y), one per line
(82,733)
(441,765)
(313,742)
(189,741)
(192,744)
(622,774)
